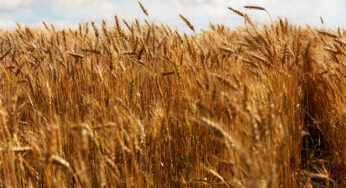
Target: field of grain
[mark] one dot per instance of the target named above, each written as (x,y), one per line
(141,105)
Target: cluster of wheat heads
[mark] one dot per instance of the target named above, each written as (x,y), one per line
(142,105)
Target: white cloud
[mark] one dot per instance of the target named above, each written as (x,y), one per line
(80,5)
(200,12)
(6,24)
(13,4)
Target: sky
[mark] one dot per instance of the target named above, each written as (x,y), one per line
(68,13)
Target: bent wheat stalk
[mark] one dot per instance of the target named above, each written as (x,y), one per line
(188,23)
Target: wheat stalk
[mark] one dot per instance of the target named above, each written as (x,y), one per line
(187,22)
(255,7)
(143,9)
(259,8)
(322,21)
(237,12)
(328,34)
(245,16)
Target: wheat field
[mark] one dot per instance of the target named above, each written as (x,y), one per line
(143,105)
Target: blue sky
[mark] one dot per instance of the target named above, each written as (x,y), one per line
(68,13)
